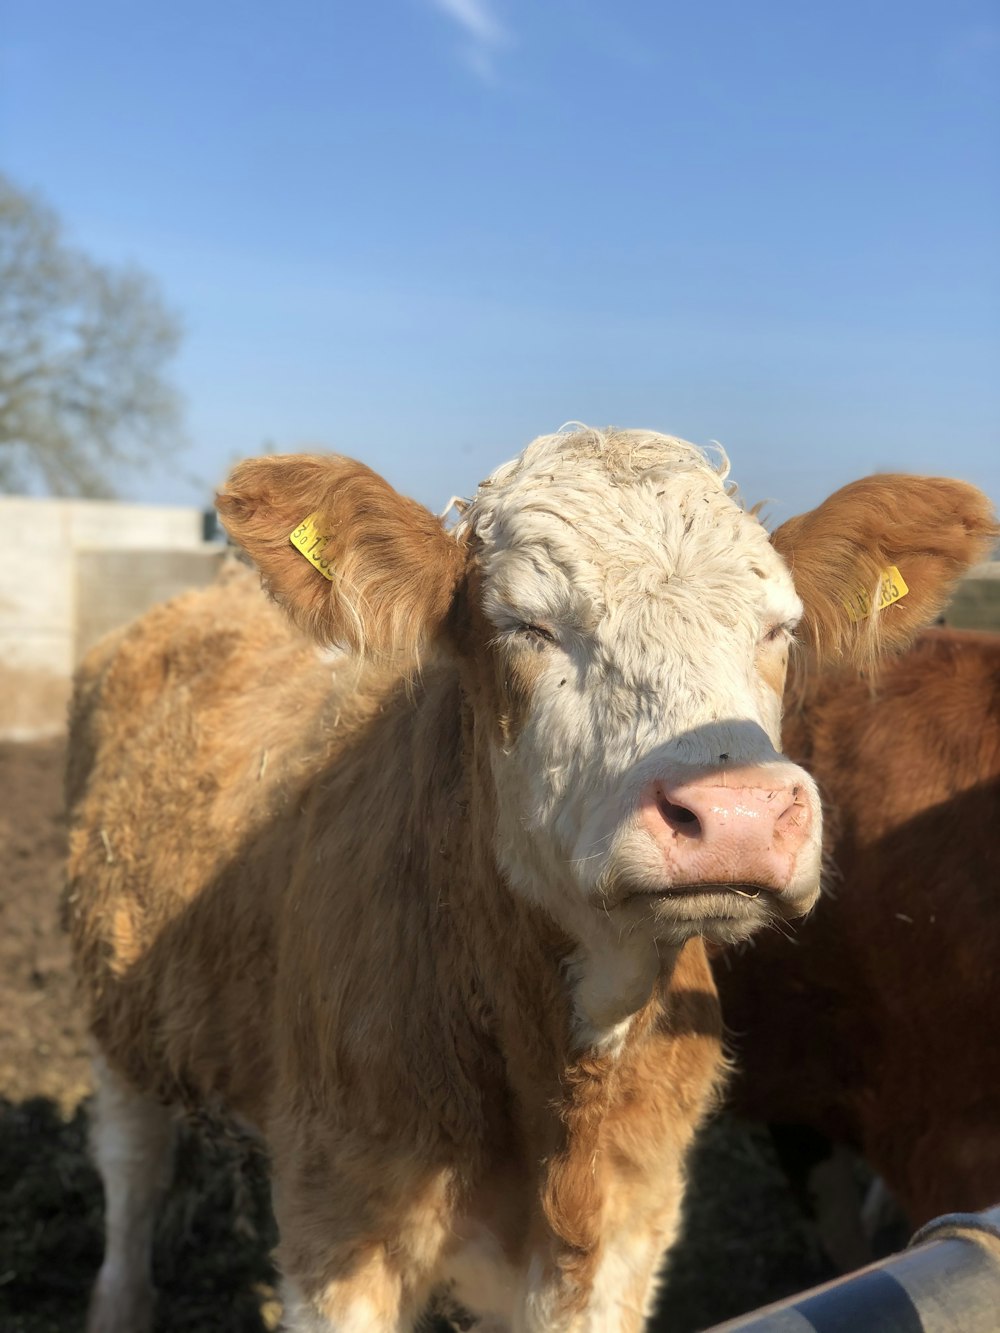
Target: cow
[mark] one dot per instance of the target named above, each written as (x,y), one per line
(430,914)
(873,1024)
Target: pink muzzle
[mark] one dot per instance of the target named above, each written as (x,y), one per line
(737,827)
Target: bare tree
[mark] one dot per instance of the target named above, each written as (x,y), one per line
(82,352)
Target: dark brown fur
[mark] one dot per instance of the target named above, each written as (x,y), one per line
(876,1024)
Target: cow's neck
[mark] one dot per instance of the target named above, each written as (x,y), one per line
(547,992)
(612,981)
(562,985)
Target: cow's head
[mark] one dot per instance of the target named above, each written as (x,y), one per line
(623,626)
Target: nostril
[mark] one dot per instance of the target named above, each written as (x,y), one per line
(795,815)
(795,801)
(679,817)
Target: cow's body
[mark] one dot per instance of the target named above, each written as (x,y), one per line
(875,1023)
(439,938)
(246,981)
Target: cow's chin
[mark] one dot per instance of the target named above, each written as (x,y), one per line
(719,913)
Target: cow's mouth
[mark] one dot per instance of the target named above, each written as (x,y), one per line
(722,913)
(688,892)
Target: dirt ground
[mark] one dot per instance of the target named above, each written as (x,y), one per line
(744,1243)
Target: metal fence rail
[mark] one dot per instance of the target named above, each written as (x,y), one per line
(947,1281)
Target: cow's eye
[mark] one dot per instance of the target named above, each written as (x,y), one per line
(540,633)
(783,630)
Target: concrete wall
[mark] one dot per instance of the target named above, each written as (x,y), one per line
(113,587)
(976,603)
(57,596)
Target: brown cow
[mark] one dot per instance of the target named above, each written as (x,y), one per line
(438,935)
(875,1022)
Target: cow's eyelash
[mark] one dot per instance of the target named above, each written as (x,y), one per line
(534,631)
(784,630)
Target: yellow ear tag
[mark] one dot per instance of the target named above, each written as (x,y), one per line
(891,588)
(310,542)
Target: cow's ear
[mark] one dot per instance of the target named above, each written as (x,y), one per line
(352,561)
(851,557)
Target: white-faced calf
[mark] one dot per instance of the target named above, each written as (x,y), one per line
(430,914)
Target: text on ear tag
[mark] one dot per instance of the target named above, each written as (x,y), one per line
(310,542)
(892,587)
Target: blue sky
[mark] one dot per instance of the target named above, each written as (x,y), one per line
(423,231)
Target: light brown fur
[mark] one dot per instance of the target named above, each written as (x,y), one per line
(394,568)
(218,987)
(284,901)
(930,528)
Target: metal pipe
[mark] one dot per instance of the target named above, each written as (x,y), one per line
(946,1281)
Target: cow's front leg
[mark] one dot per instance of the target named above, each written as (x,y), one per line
(615,1289)
(361,1241)
(360,1288)
(626,1283)
(369,1300)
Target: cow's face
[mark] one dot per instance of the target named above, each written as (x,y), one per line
(622,627)
(635,629)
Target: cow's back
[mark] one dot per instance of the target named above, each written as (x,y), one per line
(874,1022)
(193,734)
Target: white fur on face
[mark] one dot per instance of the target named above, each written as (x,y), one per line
(649,604)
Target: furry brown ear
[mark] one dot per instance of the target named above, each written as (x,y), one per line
(391,569)
(930,529)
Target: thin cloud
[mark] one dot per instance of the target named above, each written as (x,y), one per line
(484,33)
(475,17)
